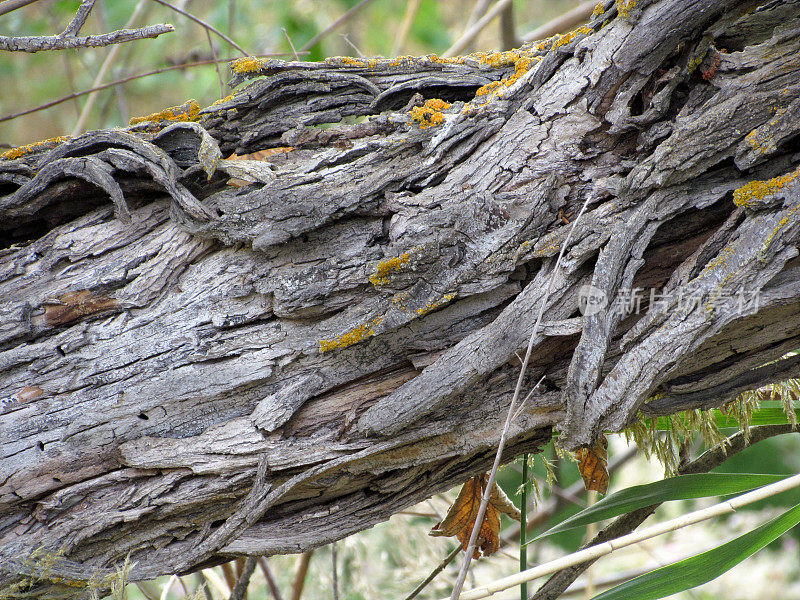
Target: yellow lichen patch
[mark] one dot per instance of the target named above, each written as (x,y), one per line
(188,111)
(351,337)
(781,224)
(434,304)
(485,89)
(721,259)
(23,150)
(598,10)
(758,190)
(624,7)
(430,113)
(248,64)
(221,100)
(381,274)
(563,40)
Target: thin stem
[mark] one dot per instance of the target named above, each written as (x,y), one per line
(523,509)
(412,6)
(472,32)
(113,83)
(562,23)
(310,43)
(555,586)
(473,538)
(300,575)
(202,23)
(112,55)
(439,568)
(335,572)
(240,589)
(10,5)
(273,585)
(216,64)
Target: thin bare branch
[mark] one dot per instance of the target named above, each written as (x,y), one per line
(273,585)
(335,571)
(480,8)
(291,45)
(117,82)
(563,23)
(471,33)
(80,19)
(202,23)
(439,568)
(473,538)
(300,575)
(508,34)
(216,64)
(35,43)
(10,5)
(335,24)
(412,6)
(240,589)
(101,74)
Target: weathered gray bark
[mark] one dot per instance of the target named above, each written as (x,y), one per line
(199,371)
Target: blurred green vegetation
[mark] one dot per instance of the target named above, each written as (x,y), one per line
(30,80)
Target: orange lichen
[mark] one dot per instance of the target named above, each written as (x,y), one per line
(598,10)
(430,113)
(23,150)
(188,111)
(758,190)
(248,64)
(381,274)
(351,337)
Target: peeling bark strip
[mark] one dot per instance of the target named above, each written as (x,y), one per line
(192,370)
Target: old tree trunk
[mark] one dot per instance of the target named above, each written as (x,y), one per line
(194,370)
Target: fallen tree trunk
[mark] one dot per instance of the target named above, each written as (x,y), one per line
(195,370)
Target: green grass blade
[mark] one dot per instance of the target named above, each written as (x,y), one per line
(682,487)
(769,412)
(699,569)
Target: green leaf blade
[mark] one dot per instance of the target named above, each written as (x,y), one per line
(704,567)
(682,487)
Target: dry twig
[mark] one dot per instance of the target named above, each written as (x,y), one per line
(240,589)
(472,32)
(206,26)
(300,575)
(562,23)
(69,37)
(473,538)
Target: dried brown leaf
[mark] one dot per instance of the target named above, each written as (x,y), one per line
(592,462)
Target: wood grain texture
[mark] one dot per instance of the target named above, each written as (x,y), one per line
(267,367)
